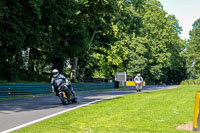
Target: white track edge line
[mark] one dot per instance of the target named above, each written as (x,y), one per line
(55,114)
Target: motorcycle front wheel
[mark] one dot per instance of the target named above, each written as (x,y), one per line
(137,88)
(63,100)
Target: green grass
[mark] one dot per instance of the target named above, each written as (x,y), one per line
(151,112)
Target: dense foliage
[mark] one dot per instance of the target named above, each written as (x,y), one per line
(96,38)
(190,82)
(193,51)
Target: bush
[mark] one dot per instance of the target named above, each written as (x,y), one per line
(191,82)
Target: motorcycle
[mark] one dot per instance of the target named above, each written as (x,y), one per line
(138,85)
(65,93)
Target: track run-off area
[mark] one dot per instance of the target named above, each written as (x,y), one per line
(19,113)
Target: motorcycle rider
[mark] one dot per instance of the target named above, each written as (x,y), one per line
(55,76)
(140,79)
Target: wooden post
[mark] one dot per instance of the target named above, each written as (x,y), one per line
(75,68)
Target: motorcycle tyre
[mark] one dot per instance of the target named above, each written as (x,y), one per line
(63,100)
(75,100)
(137,88)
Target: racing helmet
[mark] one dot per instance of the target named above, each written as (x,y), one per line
(138,75)
(55,72)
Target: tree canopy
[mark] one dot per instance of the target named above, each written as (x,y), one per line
(91,38)
(193,51)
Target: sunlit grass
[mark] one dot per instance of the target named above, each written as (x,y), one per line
(151,112)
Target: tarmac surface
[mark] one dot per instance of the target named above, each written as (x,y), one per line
(15,114)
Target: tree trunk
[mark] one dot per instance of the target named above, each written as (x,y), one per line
(92,38)
(74,73)
(31,62)
(82,74)
(75,68)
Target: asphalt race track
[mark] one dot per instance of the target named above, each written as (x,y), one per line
(15,114)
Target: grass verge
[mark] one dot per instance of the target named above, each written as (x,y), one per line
(151,112)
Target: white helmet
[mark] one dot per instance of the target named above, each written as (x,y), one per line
(138,75)
(55,72)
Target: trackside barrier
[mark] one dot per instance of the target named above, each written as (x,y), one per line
(9,90)
(196,117)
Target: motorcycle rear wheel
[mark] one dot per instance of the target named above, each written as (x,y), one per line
(75,100)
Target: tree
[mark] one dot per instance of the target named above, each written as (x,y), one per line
(57,30)
(12,36)
(137,56)
(161,46)
(193,51)
(97,37)
(114,21)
